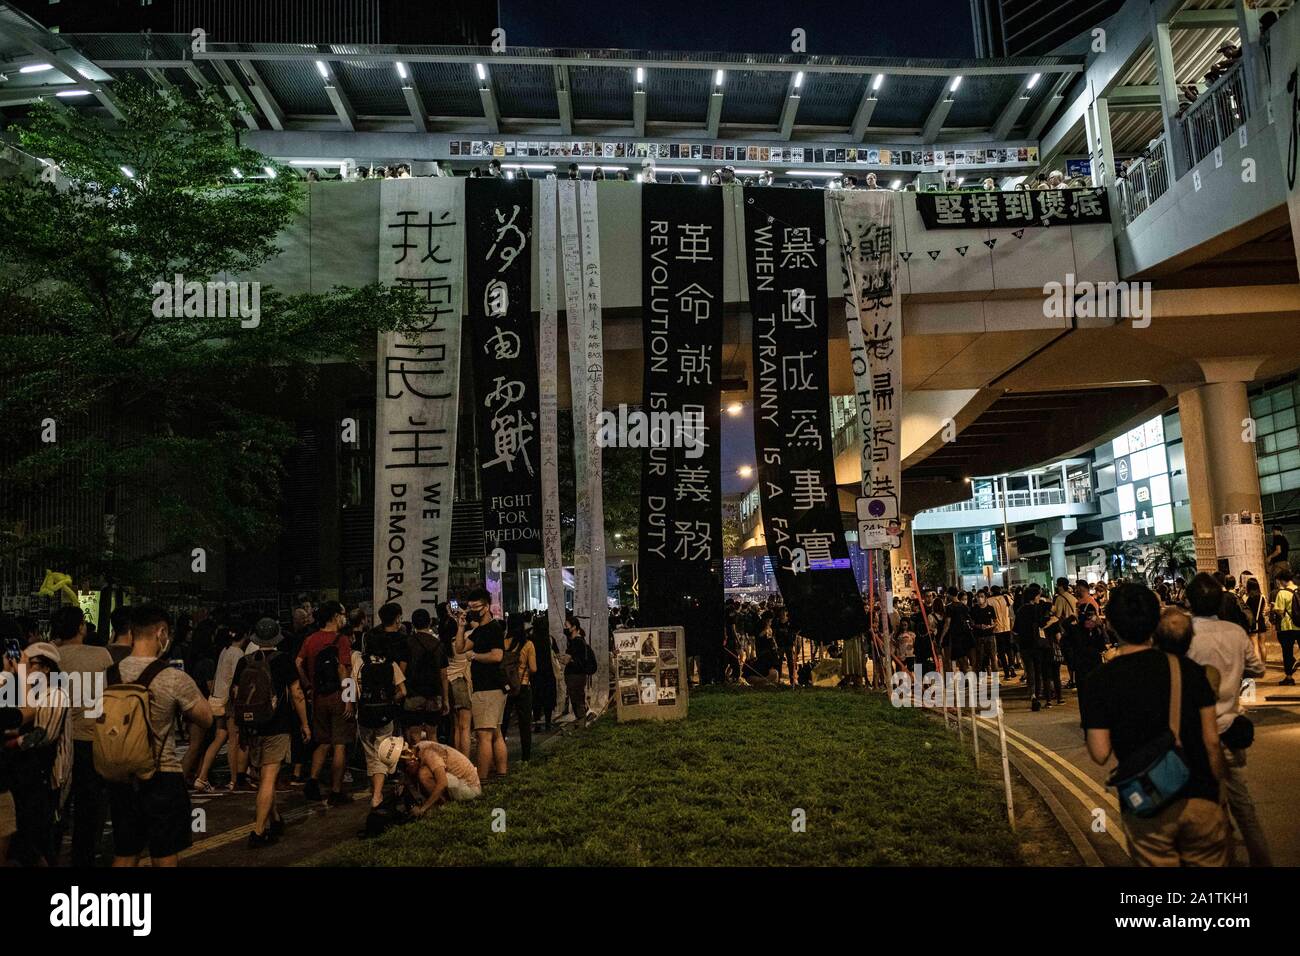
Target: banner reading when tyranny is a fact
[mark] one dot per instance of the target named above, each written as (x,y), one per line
(875,329)
(498,253)
(680,532)
(421,246)
(785,246)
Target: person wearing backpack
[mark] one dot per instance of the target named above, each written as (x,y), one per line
(380,688)
(267,702)
(520,664)
(428,689)
(1286,615)
(323,664)
(482,637)
(1170,763)
(148,800)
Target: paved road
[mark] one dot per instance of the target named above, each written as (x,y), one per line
(1052,744)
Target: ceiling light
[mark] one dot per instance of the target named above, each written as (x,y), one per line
(66,94)
(956,82)
(878,82)
(322,70)
(35,68)
(640,74)
(750,172)
(718,77)
(798,79)
(481,70)
(1033,81)
(817,173)
(401,69)
(744,471)
(537,166)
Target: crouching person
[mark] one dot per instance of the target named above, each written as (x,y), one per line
(433,774)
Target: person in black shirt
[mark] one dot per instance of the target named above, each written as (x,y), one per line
(1278,553)
(1032,619)
(574,660)
(269,744)
(1124,705)
(983,623)
(427,694)
(477,628)
(544,679)
(957,639)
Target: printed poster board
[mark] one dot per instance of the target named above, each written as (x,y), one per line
(650,673)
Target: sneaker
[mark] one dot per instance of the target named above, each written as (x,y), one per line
(339,799)
(202,786)
(1287,682)
(275,829)
(258,840)
(311,790)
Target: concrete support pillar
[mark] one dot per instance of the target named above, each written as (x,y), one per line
(1167,83)
(1248,30)
(1222,475)
(1057,545)
(954,570)
(902,563)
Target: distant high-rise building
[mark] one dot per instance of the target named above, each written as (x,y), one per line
(451,22)
(1034,27)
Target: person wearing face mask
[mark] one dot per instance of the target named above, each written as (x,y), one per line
(154,814)
(984,623)
(482,637)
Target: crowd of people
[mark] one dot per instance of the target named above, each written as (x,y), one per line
(418,706)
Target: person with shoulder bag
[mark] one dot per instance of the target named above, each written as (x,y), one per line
(1155,713)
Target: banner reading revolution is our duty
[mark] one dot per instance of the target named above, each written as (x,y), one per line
(680,529)
(785,242)
(499,232)
(421,247)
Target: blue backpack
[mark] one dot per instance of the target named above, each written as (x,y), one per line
(1155,775)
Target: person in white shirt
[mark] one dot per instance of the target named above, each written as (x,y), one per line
(1225,647)
(1002,623)
(236,640)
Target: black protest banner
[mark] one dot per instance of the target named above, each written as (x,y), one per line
(1007,210)
(680,538)
(498,252)
(785,246)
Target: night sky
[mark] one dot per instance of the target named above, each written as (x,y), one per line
(921,28)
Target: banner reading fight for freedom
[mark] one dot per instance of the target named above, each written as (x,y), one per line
(1010,210)
(680,534)
(499,217)
(785,245)
(875,330)
(421,247)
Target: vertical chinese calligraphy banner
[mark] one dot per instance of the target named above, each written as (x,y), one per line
(548,404)
(498,274)
(574,330)
(421,247)
(785,245)
(592,374)
(875,331)
(680,532)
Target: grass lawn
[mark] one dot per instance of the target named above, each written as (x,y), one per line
(879,785)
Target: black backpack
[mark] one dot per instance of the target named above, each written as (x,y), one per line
(325,678)
(424,678)
(378,694)
(255,701)
(510,668)
(589,664)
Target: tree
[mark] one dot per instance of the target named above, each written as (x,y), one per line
(1170,556)
(1122,557)
(155,411)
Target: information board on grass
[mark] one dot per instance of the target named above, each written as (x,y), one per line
(650,673)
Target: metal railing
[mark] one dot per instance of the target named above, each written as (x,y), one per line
(1015,499)
(1216,114)
(1144,181)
